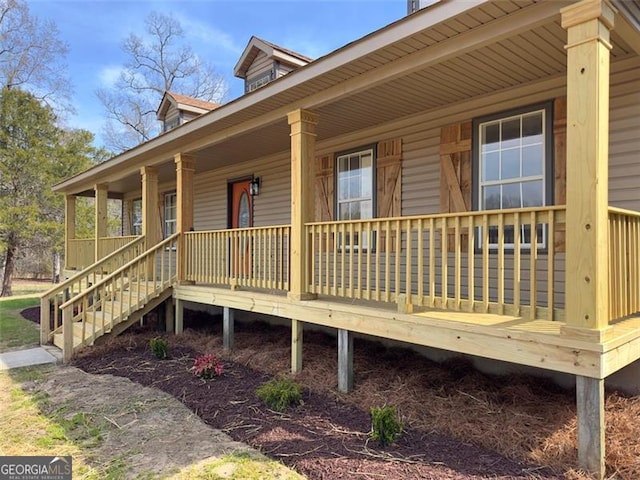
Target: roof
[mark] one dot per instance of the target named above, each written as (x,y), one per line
(417,66)
(281,54)
(183,102)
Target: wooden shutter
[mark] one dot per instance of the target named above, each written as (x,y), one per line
(455,173)
(560,163)
(389,178)
(324,189)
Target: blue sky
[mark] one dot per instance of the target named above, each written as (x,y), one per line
(217,29)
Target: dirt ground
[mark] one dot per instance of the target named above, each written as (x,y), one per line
(149,431)
(531,422)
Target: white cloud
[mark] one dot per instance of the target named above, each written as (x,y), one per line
(109,75)
(207,34)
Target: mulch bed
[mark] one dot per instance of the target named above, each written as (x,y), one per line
(323,438)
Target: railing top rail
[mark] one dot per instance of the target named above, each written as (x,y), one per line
(235,230)
(624,211)
(475,213)
(81,240)
(61,286)
(120,237)
(106,279)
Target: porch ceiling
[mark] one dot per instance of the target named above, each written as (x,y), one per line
(421,63)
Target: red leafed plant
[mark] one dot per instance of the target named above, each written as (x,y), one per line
(207,366)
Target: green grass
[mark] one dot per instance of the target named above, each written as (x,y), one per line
(15,331)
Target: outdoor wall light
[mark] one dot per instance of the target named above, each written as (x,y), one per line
(254,187)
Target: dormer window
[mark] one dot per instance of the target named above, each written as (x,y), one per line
(258,81)
(171,123)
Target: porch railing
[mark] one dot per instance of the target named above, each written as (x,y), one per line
(505,262)
(81,253)
(111,244)
(100,307)
(53,298)
(247,257)
(624,263)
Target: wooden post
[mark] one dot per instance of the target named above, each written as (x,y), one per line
(228,317)
(169,323)
(296,345)
(45,319)
(591,428)
(69,225)
(345,360)
(127,217)
(185,167)
(179,316)
(100,218)
(150,213)
(303,140)
(588,25)
(67,334)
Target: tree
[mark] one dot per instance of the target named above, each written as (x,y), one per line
(32,57)
(158,62)
(34,155)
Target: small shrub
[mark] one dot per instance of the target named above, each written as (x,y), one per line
(159,347)
(385,425)
(280,393)
(207,366)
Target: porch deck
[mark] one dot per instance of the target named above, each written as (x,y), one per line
(535,343)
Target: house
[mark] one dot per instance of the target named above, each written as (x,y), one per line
(463,179)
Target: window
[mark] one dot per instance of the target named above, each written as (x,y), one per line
(355,201)
(355,185)
(136,217)
(170,214)
(258,81)
(512,166)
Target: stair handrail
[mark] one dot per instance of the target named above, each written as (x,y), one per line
(117,272)
(47,296)
(90,299)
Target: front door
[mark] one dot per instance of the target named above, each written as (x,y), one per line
(241,217)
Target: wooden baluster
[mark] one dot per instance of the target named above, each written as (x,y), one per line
(471,262)
(457,263)
(387,270)
(420,253)
(409,264)
(501,263)
(432,262)
(517,278)
(485,263)
(534,267)
(444,267)
(551,265)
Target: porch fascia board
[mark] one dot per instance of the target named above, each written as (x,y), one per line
(541,350)
(190,137)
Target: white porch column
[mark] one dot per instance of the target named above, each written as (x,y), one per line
(297,328)
(345,360)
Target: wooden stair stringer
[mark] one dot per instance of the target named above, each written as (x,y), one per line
(135,317)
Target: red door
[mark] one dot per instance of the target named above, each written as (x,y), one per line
(241,217)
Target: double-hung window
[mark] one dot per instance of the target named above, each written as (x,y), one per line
(354,186)
(513,167)
(170,214)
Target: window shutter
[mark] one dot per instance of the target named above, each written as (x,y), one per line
(389,178)
(455,173)
(560,163)
(455,168)
(324,188)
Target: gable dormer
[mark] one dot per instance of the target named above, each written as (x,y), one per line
(262,62)
(176,109)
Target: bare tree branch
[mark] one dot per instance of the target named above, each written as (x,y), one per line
(158,62)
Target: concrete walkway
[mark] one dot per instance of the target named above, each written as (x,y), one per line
(30,357)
